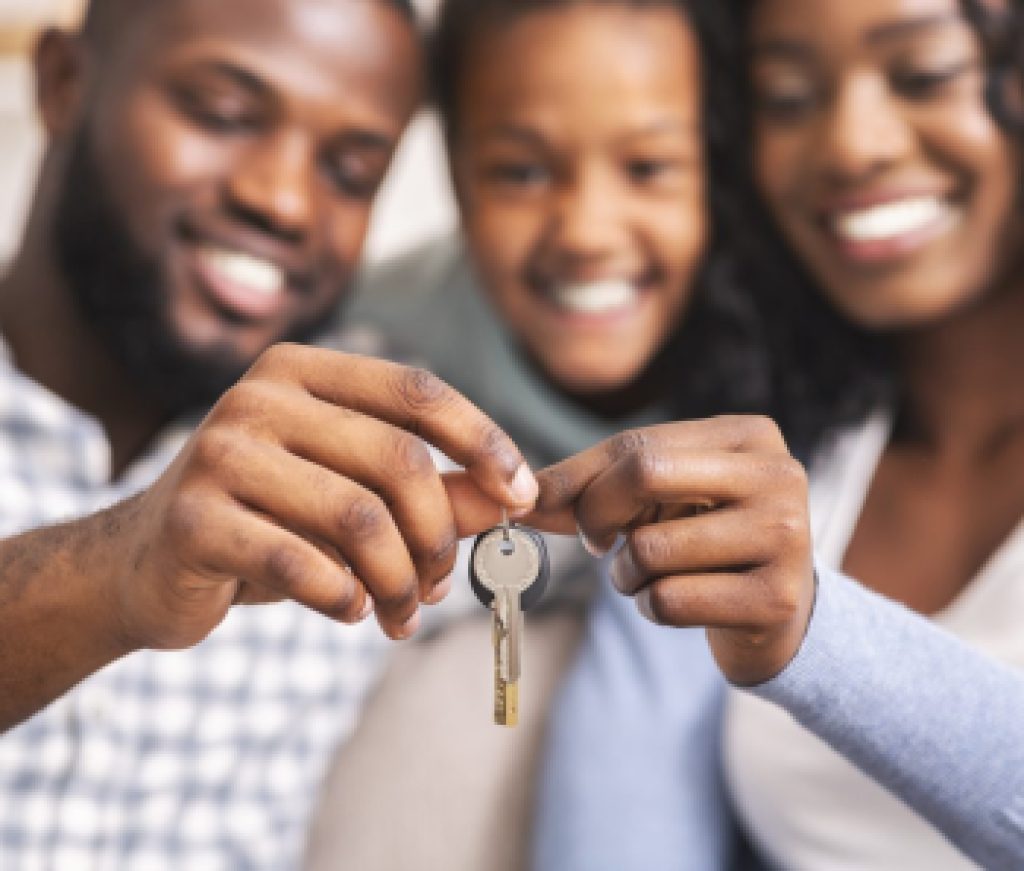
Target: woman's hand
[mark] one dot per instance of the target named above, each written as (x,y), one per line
(716,533)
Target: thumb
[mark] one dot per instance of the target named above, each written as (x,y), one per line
(476,512)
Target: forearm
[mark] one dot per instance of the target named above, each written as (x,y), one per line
(58,621)
(935,721)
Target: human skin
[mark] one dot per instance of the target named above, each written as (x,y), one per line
(853,120)
(568,181)
(259,129)
(241,145)
(880,162)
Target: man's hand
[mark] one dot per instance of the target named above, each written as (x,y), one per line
(311,480)
(715,519)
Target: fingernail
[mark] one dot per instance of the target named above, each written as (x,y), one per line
(441,589)
(643,605)
(624,572)
(590,546)
(524,487)
(367,609)
(410,626)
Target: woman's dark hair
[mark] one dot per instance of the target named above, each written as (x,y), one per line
(828,372)
(717,361)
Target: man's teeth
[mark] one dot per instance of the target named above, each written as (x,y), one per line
(596,297)
(252,273)
(890,220)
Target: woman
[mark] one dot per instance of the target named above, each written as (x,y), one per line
(896,189)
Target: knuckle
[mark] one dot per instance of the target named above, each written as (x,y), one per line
(401,598)
(494,445)
(364,516)
(743,430)
(795,475)
(789,528)
(626,443)
(183,521)
(343,598)
(646,469)
(250,399)
(280,358)
(556,488)
(651,550)
(421,389)
(409,457)
(285,567)
(780,601)
(215,447)
(443,549)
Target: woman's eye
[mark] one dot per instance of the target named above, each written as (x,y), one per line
(921,84)
(785,106)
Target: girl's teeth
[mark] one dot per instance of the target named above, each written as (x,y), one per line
(596,297)
(252,273)
(890,220)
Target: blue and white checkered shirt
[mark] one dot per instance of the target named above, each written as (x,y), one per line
(197,760)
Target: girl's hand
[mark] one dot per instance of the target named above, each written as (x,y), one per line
(715,521)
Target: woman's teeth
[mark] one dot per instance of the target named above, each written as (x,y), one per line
(253,274)
(892,220)
(596,297)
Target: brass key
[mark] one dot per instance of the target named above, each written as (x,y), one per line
(509,571)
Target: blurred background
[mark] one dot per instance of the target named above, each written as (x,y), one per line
(415,204)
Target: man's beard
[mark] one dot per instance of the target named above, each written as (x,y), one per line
(122,295)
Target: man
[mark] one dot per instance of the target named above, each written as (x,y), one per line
(205,191)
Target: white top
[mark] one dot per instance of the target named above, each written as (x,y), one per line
(805,805)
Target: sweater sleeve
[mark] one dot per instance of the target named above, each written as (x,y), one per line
(938,723)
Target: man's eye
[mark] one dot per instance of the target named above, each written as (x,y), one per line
(356,176)
(219,116)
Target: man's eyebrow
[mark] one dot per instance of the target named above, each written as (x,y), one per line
(911,26)
(239,75)
(367,140)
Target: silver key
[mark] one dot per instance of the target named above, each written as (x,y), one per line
(509,570)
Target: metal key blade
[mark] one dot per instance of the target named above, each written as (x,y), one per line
(510,617)
(506,691)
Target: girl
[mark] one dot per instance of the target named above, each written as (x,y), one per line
(888,176)
(588,293)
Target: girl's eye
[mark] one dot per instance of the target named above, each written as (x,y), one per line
(517,174)
(646,170)
(923,84)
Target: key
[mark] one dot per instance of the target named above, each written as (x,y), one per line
(509,572)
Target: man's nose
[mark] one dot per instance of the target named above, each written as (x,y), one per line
(273,184)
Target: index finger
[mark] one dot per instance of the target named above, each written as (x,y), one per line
(419,402)
(562,484)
